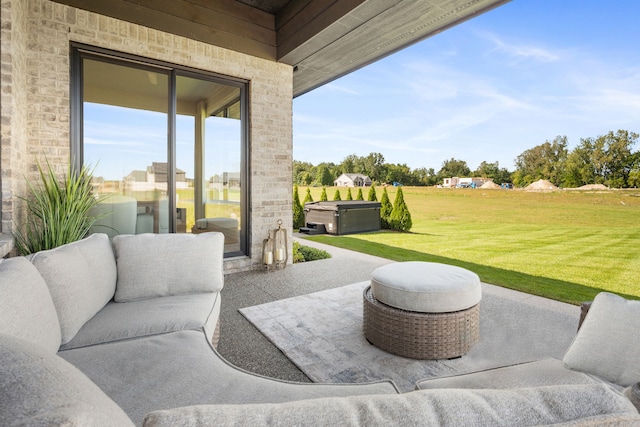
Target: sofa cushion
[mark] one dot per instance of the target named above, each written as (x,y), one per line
(126,320)
(530,374)
(590,404)
(81,277)
(182,369)
(156,265)
(40,388)
(608,343)
(26,307)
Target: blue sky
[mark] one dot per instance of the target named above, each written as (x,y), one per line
(485,90)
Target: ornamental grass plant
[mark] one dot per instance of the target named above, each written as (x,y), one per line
(58,211)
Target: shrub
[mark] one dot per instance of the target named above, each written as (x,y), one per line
(400,218)
(307,197)
(385,209)
(59,212)
(359,196)
(336,195)
(303,253)
(298,212)
(372,197)
(323,195)
(349,196)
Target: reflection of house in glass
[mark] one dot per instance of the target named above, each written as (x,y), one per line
(154,178)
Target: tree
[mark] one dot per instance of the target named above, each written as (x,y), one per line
(298,212)
(544,161)
(493,171)
(372,194)
(336,195)
(385,209)
(323,176)
(400,218)
(307,198)
(453,167)
(618,158)
(359,196)
(349,196)
(323,195)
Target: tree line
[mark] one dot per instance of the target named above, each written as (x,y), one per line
(608,159)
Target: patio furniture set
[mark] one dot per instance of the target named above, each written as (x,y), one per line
(123,332)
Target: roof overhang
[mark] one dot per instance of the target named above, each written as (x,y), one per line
(322,39)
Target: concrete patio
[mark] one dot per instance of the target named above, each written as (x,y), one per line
(244,346)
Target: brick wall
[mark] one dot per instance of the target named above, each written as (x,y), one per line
(43,101)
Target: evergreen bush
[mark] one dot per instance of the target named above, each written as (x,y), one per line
(336,195)
(349,196)
(323,195)
(298,212)
(400,218)
(385,209)
(359,196)
(302,253)
(307,198)
(372,197)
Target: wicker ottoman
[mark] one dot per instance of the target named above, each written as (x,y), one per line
(422,310)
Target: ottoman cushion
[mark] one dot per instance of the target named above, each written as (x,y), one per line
(426,287)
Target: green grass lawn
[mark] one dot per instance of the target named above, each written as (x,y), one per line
(565,245)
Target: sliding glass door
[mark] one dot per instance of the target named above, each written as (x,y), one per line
(168,146)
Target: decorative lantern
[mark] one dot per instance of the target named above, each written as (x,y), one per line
(280,246)
(274,249)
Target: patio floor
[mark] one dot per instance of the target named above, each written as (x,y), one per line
(244,346)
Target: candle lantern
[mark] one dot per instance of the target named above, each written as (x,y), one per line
(274,249)
(268,261)
(280,246)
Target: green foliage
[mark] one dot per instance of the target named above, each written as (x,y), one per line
(349,196)
(400,218)
(336,195)
(359,196)
(385,209)
(323,195)
(544,161)
(59,212)
(307,198)
(372,194)
(298,212)
(453,167)
(302,253)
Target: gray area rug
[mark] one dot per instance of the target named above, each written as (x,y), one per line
(322,334)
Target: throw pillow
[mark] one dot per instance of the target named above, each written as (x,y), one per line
(156,265)
(26,307)
(40,388)
(81,277)
(608,343)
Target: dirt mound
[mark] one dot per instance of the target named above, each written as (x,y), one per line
(489,184)
(540,185)
(593,187)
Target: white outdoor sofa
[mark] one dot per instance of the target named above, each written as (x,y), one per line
(121,333)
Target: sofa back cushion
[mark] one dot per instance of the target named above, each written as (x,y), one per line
(155,265)
(81,277)
(26,307)
(593,405)
(41,389)
(608,342)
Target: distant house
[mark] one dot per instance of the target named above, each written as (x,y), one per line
(352,180)
(153,178)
